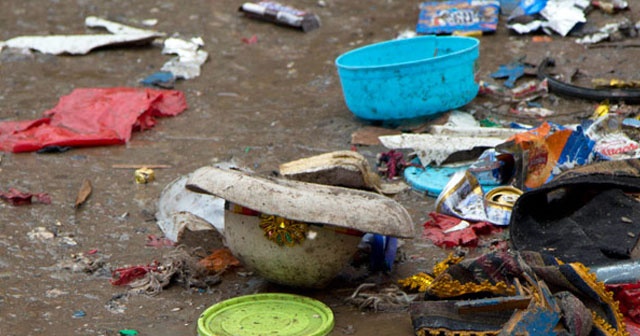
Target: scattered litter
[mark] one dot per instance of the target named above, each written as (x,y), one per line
(41,233)
(178,267)
(83,193)
(534,112)
(437,148)
(629,96)
(144,175)
(521,302)
(511,71)
(157,242)
(79,314)
(181,210)
(599,237)
(127,332)
(189,60)
(610,7)
(15,197)
(369,296)
(607,30)
(163,79)
(559,16)
(446,17)
(280,14)
(117,28)
(81,263)
(74,120)
(448,231)
(340,168)
(83,44)
(219,261)
(250,40)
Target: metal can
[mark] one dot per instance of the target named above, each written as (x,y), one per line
(144,175)
(499,204)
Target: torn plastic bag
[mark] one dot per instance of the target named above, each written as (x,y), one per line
(588,214)
(92,117)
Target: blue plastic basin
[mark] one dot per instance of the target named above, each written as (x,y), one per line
(409,78)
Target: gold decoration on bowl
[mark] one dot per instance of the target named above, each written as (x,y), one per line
(283,231)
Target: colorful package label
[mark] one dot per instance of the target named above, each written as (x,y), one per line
(446,17)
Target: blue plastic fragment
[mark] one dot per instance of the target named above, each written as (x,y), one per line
(163,79)
(79,314)
(511,71)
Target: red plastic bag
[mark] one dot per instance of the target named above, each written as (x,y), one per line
(92,117)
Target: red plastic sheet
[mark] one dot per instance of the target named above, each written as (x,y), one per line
(92,117)
(435,230)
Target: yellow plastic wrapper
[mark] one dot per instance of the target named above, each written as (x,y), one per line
(144,175)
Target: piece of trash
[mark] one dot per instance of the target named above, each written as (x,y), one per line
(548,150)
(181,210)
(41,233)
(163,79)
(432,148)
(92,117)
(83,193)
(178,267)
(597,239)
(127,332)
(610,7)
(463,225)
(117,28)
(446,17)
(251,40)
(83,44)
(493,168)
(611,143)
(563,15)
(629,96)
(560,16)
(541,39)
(464,198)
(144,175)
(79,314)
(535,112)
(189,60)
(511,71)
(219,260)
(605,32)
(280,14)
(15,197)
(157,242)
(341,168)
(448,231)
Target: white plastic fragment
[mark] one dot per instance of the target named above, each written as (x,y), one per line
(83,44)
(177,207)
(437,148)
(562,16)
(190,57)
(117,28)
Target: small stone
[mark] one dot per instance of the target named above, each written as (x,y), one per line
(631,234)
(626,220)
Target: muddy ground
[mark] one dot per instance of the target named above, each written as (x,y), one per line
(257,105)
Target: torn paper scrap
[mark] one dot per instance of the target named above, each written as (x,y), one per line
(437,148)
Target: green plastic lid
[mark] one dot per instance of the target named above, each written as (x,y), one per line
(274,314)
